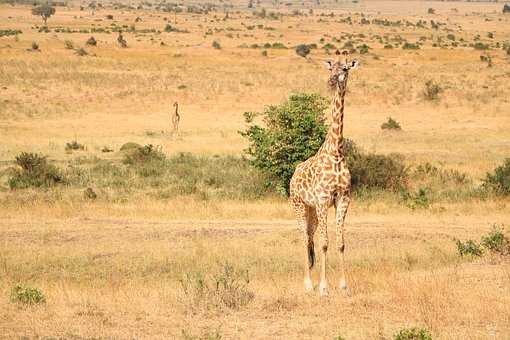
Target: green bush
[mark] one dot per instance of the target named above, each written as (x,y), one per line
(292,132)
(413,334)
(295,130)
(391,124)
(34,171)
(498,181)
(27,295)
(130,146)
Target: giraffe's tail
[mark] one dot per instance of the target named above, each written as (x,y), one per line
(311,254)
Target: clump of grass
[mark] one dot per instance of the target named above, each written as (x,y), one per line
(27,295)
(130,146)
(391,124)
(34,171)
(228,288)
(74,146)
(413,334)
(432,90)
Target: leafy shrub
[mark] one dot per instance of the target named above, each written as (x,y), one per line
(391,124)
(413,334)
(499,180)
(432,90)
(34,171)
(293,132)
(431,11)
(74,145)
(506,8)
(27,295)
(496,241)
(469,247)
(372,171)
(303,50)
(227,288)
(216,45)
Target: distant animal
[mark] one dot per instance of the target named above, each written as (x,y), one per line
(324,180)
(176,118)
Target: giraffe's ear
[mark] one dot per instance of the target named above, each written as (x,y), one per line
(354,64)
(328,64)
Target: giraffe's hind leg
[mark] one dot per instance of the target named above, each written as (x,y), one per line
(302,212)
(311,226)
(341,205)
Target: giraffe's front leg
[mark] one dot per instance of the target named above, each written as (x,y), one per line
(322,216)
(341,205)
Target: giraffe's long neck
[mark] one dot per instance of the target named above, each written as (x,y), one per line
(334,139)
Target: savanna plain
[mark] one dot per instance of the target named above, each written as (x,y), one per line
(138,231)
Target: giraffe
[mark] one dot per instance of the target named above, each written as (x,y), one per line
(176,118)
(324,180)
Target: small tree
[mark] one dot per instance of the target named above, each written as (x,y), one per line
(292,132)
(44,11)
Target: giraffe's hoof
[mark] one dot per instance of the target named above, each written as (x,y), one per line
(308,285)
(323,288)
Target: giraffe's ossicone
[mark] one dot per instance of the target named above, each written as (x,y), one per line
(323,181)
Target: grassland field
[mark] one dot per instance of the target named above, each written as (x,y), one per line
(144,261)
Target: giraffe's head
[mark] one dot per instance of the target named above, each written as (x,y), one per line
(340,70)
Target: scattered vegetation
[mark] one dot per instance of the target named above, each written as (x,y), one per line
(27,295)
(68,44)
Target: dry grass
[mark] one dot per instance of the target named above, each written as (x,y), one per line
(111,269)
